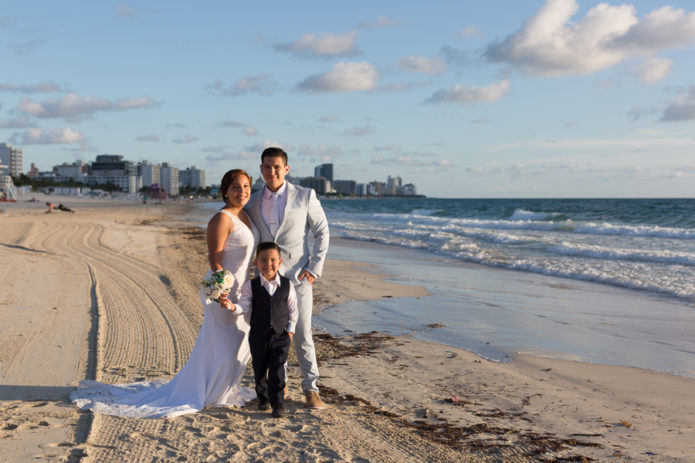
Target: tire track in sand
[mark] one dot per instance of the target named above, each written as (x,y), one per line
(141,327)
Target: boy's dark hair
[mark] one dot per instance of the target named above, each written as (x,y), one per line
(265,245)
(274,152)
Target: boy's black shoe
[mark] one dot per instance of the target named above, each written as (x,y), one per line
(263,404)
(278,411)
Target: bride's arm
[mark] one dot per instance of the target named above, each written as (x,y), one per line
(219,227)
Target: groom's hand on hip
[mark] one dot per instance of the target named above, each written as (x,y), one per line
(305,275)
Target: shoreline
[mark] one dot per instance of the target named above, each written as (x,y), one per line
(391,398)
(497,313)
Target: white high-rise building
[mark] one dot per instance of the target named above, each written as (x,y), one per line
(150,173)
(76,171)
(394,181)
(169,179)
(11,157)
(192,177)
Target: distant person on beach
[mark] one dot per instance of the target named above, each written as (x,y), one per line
(211,376)
(50,208)
(64,209)
(288,214)
(272,302)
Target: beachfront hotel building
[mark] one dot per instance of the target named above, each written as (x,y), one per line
(345,187)
(77,171)
(320,185)
(192,177)
(325,171)
(322,182)
(113,169)
(12,158)
(150,173)
(169,176)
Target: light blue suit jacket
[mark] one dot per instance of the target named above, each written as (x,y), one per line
(303,214)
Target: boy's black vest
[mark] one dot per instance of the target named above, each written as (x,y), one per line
(269,312)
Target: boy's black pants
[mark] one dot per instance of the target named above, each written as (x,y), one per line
(268,355)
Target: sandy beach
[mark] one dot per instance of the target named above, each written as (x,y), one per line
(111,293)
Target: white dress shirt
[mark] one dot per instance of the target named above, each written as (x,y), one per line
(244,304)
(273,207)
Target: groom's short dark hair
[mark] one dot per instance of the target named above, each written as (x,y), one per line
(274,152)
(265,245)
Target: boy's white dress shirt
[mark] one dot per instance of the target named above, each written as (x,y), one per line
(244,304)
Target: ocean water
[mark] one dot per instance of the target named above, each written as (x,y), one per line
(643,244)
(602,280)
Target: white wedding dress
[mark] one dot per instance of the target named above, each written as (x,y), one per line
(214,369)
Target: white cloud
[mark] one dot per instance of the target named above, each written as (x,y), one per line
(380,23)
(41,87)
(257,148)
(133,103)
(683,109)
(223,153)
(15,123)
(230,123)
(148,138)
(597,144)
(263,84)
(246,129)
(227,153)
(26,46)
(323,45)
(38,136)
(408,160)
(681,173)
(321,153)
(466,95)
(400,86)
(360,131)
(249,130)
(329,118)
(470,31)
(423,64)
(186,139)
(653,69)
(479,120)
(125,11)
(345,77)
(549,44)
(74,108)
(636,113)
(392,148)
(665,27)
(455,56)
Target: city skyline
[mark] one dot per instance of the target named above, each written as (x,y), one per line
(131,176)
(556,98)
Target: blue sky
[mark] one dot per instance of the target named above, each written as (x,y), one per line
(542,98)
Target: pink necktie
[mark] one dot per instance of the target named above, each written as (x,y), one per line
(274,215)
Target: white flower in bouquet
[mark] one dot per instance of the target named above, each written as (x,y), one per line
(218,284)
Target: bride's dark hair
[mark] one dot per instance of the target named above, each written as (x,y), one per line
(227,180)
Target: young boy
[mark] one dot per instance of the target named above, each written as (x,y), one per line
(272,301)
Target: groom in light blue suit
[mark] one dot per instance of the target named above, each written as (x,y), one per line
(286,213)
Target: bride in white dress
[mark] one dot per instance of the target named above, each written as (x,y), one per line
(214,369)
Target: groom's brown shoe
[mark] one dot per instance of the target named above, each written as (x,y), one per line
(313,400)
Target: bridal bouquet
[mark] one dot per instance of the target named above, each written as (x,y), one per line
(218,284)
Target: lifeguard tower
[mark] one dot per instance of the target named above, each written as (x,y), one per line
(8,192)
